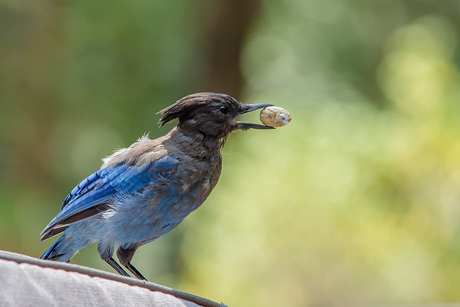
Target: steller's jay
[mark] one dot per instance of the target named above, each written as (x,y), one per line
(144,191)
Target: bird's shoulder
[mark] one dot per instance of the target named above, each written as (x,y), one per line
(190,150)
(143,151)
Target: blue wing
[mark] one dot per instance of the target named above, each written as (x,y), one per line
(94,194)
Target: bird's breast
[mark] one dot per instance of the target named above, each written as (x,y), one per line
(200,177)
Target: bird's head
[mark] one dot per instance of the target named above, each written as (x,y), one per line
(211,114)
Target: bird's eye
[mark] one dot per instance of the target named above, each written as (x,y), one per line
(223,109)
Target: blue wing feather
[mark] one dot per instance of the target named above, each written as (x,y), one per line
(83,187)
(101,186)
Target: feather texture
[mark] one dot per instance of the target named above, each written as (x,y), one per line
(144,191)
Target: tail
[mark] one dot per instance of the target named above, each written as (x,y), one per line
(56,252)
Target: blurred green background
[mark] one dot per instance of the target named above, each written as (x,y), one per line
(355,203)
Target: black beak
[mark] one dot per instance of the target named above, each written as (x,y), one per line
(245,108)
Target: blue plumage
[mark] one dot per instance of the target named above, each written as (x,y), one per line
(104,185)
(143,192)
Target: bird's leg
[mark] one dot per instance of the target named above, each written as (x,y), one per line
(116,266)
(135,272)
(125,255)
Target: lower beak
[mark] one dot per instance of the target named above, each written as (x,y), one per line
(245,108)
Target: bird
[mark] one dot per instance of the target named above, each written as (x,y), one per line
(142,192)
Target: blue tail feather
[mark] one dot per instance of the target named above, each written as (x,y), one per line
(53,252)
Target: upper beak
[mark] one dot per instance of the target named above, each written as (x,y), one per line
(245,108)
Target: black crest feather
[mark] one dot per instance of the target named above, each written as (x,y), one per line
(186,105)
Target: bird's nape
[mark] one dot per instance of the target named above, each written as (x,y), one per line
(189,103)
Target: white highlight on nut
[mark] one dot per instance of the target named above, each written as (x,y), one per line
(275,116)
